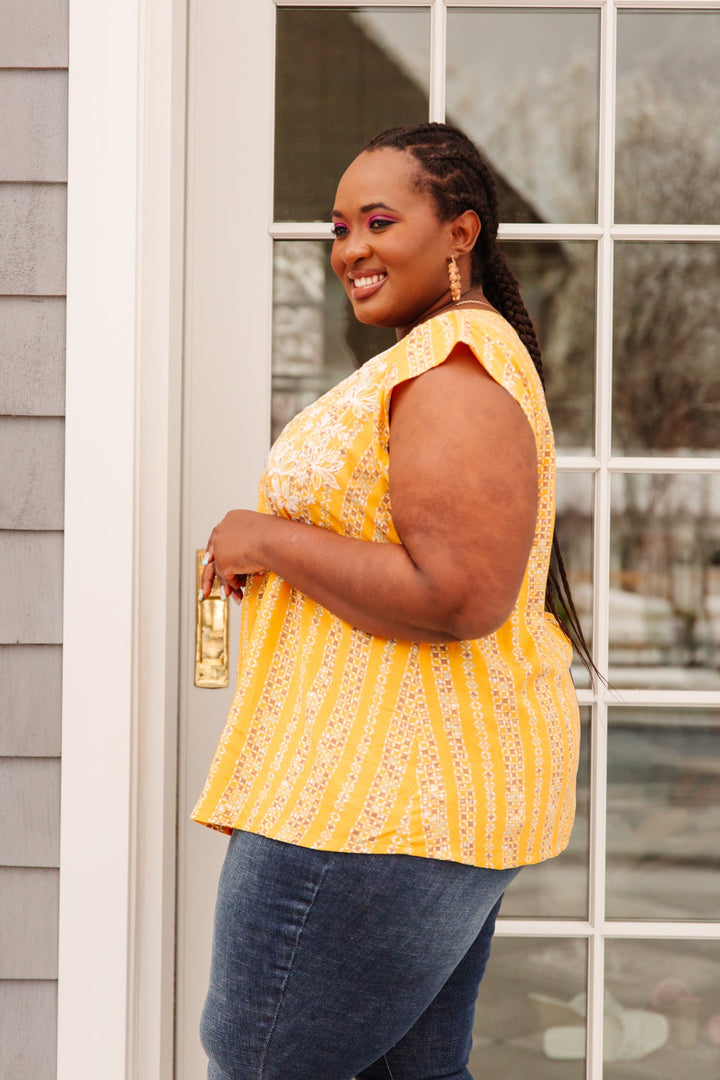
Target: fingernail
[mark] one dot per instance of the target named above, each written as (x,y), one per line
(206,558)
(201,595)
(223,593)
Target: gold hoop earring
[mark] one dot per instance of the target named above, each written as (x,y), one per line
(455,281)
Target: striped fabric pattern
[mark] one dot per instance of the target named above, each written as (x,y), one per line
(344,741)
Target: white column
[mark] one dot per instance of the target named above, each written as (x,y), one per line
(122,468)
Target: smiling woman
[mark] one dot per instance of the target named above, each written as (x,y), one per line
(394,250)
(404,733)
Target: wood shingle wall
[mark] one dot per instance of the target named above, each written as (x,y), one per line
(33,173)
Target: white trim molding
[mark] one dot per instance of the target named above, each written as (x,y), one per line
(121,506)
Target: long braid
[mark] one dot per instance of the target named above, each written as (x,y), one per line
(458,178)
(503,292)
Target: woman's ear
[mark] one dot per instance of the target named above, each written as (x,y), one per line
(465,231)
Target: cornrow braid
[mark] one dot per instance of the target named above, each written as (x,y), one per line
(503,292)
(457,177)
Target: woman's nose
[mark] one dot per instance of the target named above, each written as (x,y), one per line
(356,247)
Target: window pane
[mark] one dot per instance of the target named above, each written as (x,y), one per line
(558,888)
(557,280)
(317,340)
(665,581)
(524,84)
(666,367)
(662,1010)
(667,157)
(663,813)
(342,76)
(532,992)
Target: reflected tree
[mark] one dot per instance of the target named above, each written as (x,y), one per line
(666,336)
(666,318)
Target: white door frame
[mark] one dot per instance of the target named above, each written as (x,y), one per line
(226,413)
(124,334)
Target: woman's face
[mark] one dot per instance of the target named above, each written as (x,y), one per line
(390,250)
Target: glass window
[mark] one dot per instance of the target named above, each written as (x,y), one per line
(557,280)
(666,348)
(524,84)
(342,76)
(533,992)
(665,581)
(662,1010)
(663,813)
(667,155)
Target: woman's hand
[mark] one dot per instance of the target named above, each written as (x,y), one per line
(232,552)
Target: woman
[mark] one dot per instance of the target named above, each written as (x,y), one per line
(404,733)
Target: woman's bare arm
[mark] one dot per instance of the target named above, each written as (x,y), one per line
(463,490)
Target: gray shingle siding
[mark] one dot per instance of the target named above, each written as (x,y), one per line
(33,174)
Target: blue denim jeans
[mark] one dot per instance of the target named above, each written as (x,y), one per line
(330,966)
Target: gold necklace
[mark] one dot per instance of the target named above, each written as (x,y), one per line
(456,303)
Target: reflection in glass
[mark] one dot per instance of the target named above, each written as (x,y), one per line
(665,581)
(558,888)
(342,76)
(557,280)
(532,992)
(667,156)
(666,344)
(316,339)
(663,813)
(662,1010)
(524,85)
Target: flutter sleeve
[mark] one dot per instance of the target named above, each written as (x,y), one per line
(493,342)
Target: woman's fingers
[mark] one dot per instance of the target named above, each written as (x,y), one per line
(209,570)
(206,579)
(233,587)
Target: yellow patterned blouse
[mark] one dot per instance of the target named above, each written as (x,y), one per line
(344,741)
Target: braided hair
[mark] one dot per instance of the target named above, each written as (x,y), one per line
(457,177)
